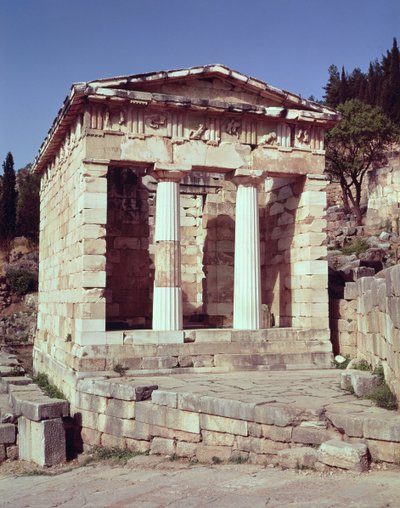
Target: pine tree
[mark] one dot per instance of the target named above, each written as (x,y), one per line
(8,200)
(343,90)
(332,88)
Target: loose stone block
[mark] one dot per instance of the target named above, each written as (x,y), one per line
(363,382)
(352,456)
(12,452)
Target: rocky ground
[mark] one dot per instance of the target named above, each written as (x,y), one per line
(150,481)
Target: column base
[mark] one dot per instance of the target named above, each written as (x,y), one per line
(167,308)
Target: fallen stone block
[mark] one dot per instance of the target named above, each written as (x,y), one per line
(351,456)
(363,382)
(298,458)
(7,433)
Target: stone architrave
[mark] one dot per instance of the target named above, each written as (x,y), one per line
(247,278)
(167,296)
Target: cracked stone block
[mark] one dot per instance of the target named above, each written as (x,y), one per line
(350,456)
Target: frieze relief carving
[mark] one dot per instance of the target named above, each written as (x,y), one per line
(199,132)
(303,136)
(269,139)
(233,127)
(156,121)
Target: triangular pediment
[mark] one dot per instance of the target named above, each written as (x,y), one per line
(211,82)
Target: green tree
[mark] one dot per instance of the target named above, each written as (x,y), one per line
(332,88)
(8,200)
(356,144)
(28,206)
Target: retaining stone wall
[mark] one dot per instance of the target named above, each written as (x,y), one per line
(369,322)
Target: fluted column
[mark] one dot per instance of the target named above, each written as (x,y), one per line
(167,295)
(247,283)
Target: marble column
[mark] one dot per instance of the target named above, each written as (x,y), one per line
(247,283)
(167,295)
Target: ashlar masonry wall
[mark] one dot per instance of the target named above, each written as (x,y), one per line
(369,324)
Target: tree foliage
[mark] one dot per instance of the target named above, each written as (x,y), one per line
(28,205)
(355,145)
(8,202)
(380,86)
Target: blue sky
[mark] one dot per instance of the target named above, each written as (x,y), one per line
(46,45)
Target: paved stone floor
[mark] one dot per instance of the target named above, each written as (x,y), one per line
(310,389)
(155,482)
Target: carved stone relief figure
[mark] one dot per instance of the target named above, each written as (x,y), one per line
(107,122)
(199,132)
(233,127)
(269,139)
(303,136)
(156,121)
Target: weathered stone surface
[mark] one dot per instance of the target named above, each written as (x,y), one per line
(161,446)
(385,451)
(347,421)
(363,382)
(42,442)
(313,434)
(383,429)
(217,438)
(184,449)
(298,458)
(7,433)
(220,424)
(349,456)
(44,409)
(206,453)
(274,414)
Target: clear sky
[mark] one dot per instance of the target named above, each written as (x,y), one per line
(46,45)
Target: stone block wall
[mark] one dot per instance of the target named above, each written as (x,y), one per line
(294,264)
(369,324)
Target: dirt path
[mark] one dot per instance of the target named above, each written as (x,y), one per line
(155,482)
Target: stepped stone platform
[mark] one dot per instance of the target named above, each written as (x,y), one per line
(290,418)
(207,350)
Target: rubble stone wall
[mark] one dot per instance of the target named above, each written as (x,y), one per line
(369,324)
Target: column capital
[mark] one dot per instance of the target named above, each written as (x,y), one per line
(247,176)
(165,171)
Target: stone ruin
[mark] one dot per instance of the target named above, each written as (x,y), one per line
(182,229)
